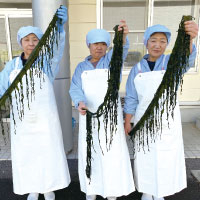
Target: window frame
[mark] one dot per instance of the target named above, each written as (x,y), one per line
(12,13)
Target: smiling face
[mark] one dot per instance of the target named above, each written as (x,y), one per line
(97,50)
(28,44)
(156,46)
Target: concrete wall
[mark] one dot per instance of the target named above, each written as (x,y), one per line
(82,18)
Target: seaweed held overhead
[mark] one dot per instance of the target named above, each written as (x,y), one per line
(108,109)
(42,53)
(165,97)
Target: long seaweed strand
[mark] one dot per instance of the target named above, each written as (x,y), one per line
(165,97)
(108,109)
(41,55)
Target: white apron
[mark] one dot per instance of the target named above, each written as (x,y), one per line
(160,171)
(38,159)
(111,173)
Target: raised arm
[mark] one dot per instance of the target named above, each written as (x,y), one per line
(125,41)
(126,30)
(191,29)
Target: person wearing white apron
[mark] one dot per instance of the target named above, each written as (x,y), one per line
(160,171)
(111,173)
(39,163)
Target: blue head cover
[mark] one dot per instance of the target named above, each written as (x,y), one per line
(98,35)
(26,30)
(156,29)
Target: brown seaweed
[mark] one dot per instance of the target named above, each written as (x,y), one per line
(108,109)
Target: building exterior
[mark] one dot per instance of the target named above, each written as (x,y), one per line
(87,14)
(139,14)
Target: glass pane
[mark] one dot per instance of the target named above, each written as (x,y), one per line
(166,12)
(136,49)
(3,45)
(133,11)
(135,14)
(15,24)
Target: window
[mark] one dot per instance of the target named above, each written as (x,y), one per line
(11,20)
(139,14)
(134,12)
(165,12)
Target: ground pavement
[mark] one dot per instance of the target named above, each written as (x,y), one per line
(191,136)
(192,192)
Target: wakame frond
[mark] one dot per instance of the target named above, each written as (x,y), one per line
(165,97)
(108,109)
(42,53)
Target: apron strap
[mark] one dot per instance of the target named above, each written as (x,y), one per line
(163,62)
(16,63)
(139,67)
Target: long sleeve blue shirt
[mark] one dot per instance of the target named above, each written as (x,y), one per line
(131,98)
(10,66)
(76,91)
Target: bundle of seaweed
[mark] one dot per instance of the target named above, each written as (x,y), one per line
(41,55)
(108,109)
(165,98)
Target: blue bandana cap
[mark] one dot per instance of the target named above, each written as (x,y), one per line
(98,35)
(156,29)
(26,30)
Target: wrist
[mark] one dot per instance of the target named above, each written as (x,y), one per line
(127,122)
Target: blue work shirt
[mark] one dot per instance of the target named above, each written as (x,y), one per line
(76,91)
(131,98)
(10,66)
